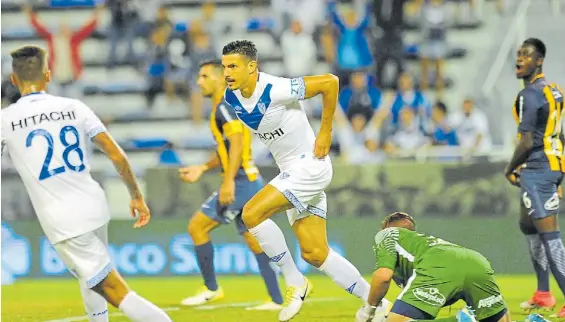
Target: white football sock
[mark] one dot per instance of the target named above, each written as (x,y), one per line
(138,309)
(344,274)
(272,240)
(95,305)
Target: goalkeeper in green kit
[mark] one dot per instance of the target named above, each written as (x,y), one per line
(432,273)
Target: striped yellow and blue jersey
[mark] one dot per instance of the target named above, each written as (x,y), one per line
(538,109)
(223,123)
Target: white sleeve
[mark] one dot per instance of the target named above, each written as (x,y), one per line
(92,125)
(288,89)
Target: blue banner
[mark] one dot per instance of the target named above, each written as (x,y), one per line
(72,3)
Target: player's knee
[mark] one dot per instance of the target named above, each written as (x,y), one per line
(113,288)
(251,216)
(315,256)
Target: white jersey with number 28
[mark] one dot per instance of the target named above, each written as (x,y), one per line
(46,137)
(276,116)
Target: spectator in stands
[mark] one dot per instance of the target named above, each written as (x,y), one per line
(310,14)
(358,141)
(360,94)
(471,126)
(433,49)
(352,50)
(210,23)
(201,49)
(408,137)
(123,26)
(63,46)
(442,133)
(158,61)
(298,62)
(10,93)
(408,96)
(147,12)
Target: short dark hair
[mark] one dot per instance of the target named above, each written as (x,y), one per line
(395,217)
(213,62)
(538,45)
(441,106)
(28,63)
(241,47)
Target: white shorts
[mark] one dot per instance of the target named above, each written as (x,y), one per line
(303,184)
(86,256)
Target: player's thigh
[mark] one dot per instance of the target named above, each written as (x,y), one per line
(433,284)
(481,290)
(539,193)
(402,311)
(86,256)
(263,205)
(252,243)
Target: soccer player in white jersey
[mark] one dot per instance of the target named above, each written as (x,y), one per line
(270,106)
(46,136)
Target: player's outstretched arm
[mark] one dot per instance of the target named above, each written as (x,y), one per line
(192,173)
(326,85)
(118,157)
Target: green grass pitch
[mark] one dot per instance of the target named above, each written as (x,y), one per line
(59,299)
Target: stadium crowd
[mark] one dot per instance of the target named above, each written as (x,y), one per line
(387,109)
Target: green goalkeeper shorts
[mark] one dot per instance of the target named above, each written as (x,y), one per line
(448,274)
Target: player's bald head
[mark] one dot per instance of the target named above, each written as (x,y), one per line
(29,64)
(399,219)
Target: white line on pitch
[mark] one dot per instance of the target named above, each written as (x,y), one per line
(246,304)
(84,318)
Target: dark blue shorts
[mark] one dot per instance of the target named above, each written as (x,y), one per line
(244,190)
(539,192)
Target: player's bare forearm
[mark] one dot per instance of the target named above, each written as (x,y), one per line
(118,157)
(326,85)
(234,155)
(379,285)
(521,153)
(212,163)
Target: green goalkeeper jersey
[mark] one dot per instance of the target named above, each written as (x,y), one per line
(401,249)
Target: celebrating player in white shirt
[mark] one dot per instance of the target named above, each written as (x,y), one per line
(46,138)
(270,106)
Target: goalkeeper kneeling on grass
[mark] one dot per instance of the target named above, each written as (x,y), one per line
(432,273)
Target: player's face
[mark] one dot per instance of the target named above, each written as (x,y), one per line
(237,69)
(208,80)
(526,61)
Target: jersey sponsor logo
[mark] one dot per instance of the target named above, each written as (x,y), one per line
(429,295)
(267,136)
(490,301)
(43,117)
(552,203)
